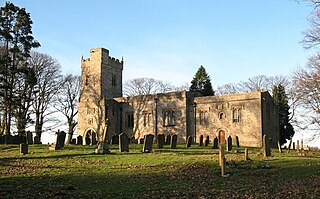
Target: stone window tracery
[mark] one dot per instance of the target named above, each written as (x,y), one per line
(169,118)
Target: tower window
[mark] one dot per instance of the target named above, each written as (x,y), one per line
(204,118)
(236,113)
(169,118)
(87,80)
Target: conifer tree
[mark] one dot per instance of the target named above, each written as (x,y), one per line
(281,100)
(202,83)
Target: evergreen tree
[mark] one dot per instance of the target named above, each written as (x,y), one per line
(202,83)
(281,100)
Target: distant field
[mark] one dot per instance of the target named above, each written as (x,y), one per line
(76,172)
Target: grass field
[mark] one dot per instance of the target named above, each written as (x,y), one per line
(76,172)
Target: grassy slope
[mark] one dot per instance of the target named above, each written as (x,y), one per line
(76,172)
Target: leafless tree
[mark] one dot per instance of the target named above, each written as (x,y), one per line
(145,86)
(49,81)
(307,88)
(67,101)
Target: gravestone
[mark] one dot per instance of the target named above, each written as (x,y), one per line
(103,146)
(173,143)
(161,140)
(79,140)
(301,144)
(73,141)
(29,137)
(24,148)
(293,146)
(246,154)
(215,144)
(141,141)
(168,139)
(123,143)
(298,147)
(229,143)
(237,142)
(206,141)
(201,140)
(87,140)
(148,142)
(189,141)
(115,139)
(266,146)
(61,136)
(36,140)
(93,138)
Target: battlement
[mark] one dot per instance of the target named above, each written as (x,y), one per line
(102,54)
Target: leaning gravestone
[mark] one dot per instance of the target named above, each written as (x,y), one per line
(229,143)
(160,141)
(168,139)
(148,141)
(173,143)
(206,141)
(189,141)
(201,140)
(123,143)
(266,146)
(103,146)
(24,148)
(79,140)
(215,143)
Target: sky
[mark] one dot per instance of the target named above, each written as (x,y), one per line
(169,39)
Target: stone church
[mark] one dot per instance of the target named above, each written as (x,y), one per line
(246,115)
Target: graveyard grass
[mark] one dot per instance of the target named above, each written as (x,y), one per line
(76,172)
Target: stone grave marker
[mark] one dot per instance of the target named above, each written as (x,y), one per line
(148,142)
(141,141)
(301,144)
(29,137)
(201,140)
(93,138)
(103,146)
(123,143)
(229,143)
(173,143)
(24,148)
(58,145)
(215,144)
(246,154)
(36,140)
(206,141)
(73,141)
(79,140)
(266,146)
(160,140)
(237,141)
(293,146)
(298,147)
(168,139)
(189,141)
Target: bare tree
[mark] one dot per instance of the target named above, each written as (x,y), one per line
(67,101)
(145,86)
(307,87)
(47,70)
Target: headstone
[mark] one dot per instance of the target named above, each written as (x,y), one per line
(61,136)
(293,146)
(246,154)
(161,140)
(141,141)
(237,141)
(73,141)
(168,139)
(1,139)
(87,140)
(201,140)
(215,143)
(206,141)
(189,141)
(93,138)
(36,140)
(266,146)
(289,147)
(123,143)
(301,144)
(103,146)
(148,141)
(29,137)
(79,140)
(279,147)
(229,143)
(173,143)
(24,148)
(115,139)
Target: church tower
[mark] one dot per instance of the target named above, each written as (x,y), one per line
(101,79)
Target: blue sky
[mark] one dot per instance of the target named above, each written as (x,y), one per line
(169,39)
